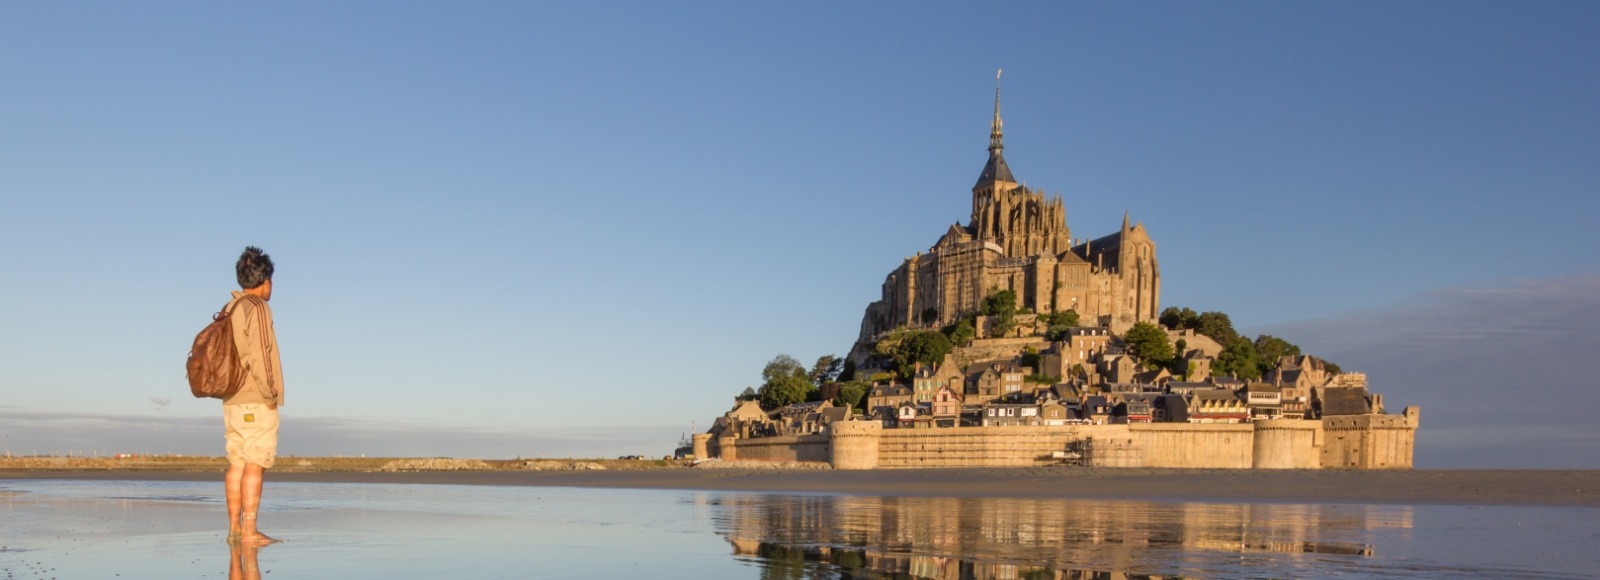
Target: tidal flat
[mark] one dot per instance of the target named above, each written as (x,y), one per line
(164,528)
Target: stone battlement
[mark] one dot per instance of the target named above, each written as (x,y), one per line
(1343,442)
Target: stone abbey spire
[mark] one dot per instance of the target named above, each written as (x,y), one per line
(1018,240)
(1021,221)
(995,132)
(996,170)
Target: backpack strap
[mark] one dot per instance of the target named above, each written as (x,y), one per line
(264,325)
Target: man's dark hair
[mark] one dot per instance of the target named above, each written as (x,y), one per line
(254,267)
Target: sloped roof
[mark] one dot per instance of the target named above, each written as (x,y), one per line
(995,170)
(1345,401)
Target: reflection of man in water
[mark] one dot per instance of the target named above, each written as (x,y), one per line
(242,562)
(251,415)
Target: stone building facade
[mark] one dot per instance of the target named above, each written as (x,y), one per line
(1017,239)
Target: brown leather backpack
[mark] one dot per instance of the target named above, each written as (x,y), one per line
(214,367)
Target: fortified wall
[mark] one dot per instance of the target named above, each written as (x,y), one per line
(1343,442)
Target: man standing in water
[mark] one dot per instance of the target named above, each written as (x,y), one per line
(251,415)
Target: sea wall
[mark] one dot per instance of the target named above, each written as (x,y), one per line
(1370,441)
(978,446)
(1195,445)
(1349,442)
(1287,444)
(785,448)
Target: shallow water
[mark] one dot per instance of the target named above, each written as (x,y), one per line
(95,529)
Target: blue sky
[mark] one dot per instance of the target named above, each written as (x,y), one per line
(538,229)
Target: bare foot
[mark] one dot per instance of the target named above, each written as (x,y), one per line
(233,536)
(255,538)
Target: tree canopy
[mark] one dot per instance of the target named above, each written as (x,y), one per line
(786,382)
(1179,318)
(1062,318)
(784,391)
(853,394)
(826,370)
(962,332)
(1271,348)
(1238,358)
(1148,342)
(926,347)
(1000,303)
(1217,326)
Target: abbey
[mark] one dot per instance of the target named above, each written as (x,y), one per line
(1017,239)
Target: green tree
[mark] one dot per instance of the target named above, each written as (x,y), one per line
(1180,365)
(1057,333)
(925,346)
(848,372)
(1003,325)
(1148,342)
(853,394)
(1271,348)
(782,365)
(1000,303)
(1238,358)
(1030,357)
(749,394)
(962,332)
(1217,326)
(1179,318)
(826,370)
(1063,318)
(786,382)
(786,390)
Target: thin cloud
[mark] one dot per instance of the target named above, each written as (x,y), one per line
(1501,372)
(325,436)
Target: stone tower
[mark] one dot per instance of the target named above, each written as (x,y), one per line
(1017,239)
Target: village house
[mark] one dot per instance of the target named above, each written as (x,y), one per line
(913,416)
(999,414)
(1216,406)
(1054,413)
(924,384)
(1265,401)
(887,396)
(947,407)
(1133,407)
(1095,409)
(804,418)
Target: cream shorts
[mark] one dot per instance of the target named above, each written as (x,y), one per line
(252,433)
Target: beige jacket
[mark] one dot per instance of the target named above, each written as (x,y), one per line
(258,351)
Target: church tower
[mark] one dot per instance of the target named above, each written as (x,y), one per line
(1021,221)
(988,194)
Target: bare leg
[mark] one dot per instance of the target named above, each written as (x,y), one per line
(231,482)
(249,490)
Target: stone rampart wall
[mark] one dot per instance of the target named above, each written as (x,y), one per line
(981,446)
(1288,444)
(786,448)
(1369,441)
(1195,445)
(1349,442)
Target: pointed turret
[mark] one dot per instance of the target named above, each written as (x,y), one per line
(996,169)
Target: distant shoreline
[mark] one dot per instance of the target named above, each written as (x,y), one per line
(1575,488)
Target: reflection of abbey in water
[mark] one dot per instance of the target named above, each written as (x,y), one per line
(1011,538)
(1011,343)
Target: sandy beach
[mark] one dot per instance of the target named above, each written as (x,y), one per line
(1459,487)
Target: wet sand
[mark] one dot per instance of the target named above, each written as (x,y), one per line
(1444,487)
